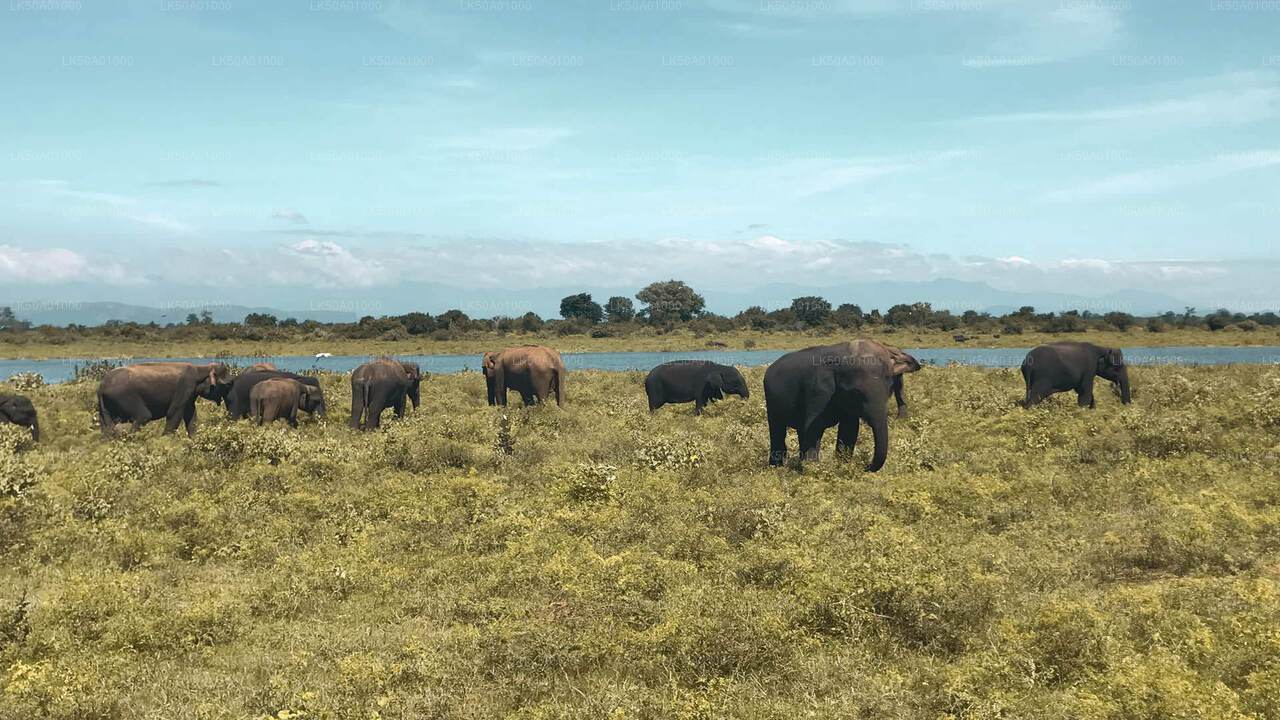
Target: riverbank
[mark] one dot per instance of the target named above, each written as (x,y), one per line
(29,345)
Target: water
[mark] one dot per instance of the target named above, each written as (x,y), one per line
(63,369)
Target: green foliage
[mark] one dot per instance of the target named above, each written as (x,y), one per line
(596,561)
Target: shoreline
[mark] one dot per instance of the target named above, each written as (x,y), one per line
(671,342)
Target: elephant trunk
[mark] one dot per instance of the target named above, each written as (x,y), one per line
(879,422)
(35,430)
(1124,385)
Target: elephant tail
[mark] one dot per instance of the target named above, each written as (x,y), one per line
(104,417)
(558,374)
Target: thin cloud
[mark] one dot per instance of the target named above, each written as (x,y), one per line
(190,183)
(1157,180)
(289,215)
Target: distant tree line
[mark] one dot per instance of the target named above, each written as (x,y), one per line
(666,306)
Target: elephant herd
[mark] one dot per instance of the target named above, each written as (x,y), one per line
(809,390)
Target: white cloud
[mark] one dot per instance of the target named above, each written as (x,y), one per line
(510,139)
(329,264)
(51,266)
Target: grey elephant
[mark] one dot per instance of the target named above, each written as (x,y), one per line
(1061,366)
(277,398)
(381,384)
(840,385)
(696,381)
(534,371)
(144,392)
(18,410)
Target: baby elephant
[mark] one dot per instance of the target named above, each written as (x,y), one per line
(283,398)
(17,409)
(696,381)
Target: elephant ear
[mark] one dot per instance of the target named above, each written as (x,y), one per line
(1117,357)
(902,362)
(5,404)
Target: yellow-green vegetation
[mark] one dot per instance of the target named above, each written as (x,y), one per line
(647,339)
(598,562)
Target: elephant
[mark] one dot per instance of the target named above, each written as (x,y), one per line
(379,384)
(18,410)
(258,366)
(696,381)
(820,387)
(149,391)
(242,388)
(900,359)
(280,397)
(1060,366)
(533,371)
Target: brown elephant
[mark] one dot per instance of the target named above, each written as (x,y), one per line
(141,393)
(260,366)
(277,398)
(17,409)
(533,371)
(379,384)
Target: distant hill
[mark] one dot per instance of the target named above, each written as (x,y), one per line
(98,313)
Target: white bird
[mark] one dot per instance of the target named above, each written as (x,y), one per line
(320,355)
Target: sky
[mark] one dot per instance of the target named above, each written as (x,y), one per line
(152,150)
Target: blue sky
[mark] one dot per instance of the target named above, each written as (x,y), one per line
(205,146)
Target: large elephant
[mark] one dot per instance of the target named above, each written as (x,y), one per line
(696,381)
(533,371)
(141,393)
(18,410)
(381,384)
(820,387)
(1060,366)
(902,360)
(242,388)
(280,397)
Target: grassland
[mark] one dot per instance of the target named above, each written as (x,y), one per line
(30,345)
(598,562)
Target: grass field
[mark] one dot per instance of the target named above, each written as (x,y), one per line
(596,562)
(29,345)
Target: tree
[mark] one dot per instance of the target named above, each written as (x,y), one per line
(418,323)
(530,322)
(582,307)
(10,322)
(206,317)
(915,314)
(1121,320)
(671,300)
(756,317)
(620,309)
(260,320)
(811,310)
(848,316)
(453,320)
(193,319)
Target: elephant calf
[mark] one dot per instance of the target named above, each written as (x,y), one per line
(18,410)
(1061,366)
(277,398)
(696,381)
(242,386)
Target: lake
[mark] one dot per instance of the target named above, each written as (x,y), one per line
(63,369)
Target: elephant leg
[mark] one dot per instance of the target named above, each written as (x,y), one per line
(698,405)
(1036,393)
(811,443)
(189,419)
(777,441)
(528,398)
(897,396)
(846,436)
(293,418)
(357,407)
(373,413)
(654,405)
(398,406)
(1084,394)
